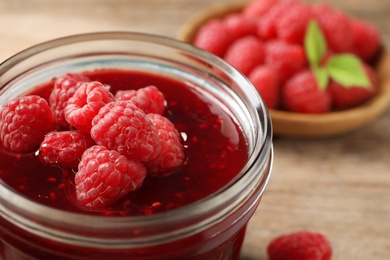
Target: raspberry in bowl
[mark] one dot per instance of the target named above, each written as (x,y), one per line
(320,71)
(142,147)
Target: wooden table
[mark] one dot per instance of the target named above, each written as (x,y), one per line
(339,186)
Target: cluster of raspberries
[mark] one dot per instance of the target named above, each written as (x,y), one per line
(265,41)
(112,141)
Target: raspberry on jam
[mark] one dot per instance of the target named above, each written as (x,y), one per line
(24,121)
(105,176)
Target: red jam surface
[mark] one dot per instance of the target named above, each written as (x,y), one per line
(214,144)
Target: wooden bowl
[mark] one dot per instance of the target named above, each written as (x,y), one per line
(308,125)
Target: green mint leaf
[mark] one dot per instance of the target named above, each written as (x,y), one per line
(315,43)
(347,70)
(322,77)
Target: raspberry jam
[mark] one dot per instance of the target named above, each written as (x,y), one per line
(199,211)
(214,145)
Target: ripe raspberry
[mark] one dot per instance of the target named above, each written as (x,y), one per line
(344,97)
(245,54)
(302,245)
(64,148)
(149,99)
(123,95)
(366,39)
(171,155)
(213,37)
(266,28)
(291,27)
(124,127)
(86,103)
(64,88)
(301,94)
(266,82)
(24,121)
(255,9)
(104,176)
(336,26)
(238,26)
(286,59)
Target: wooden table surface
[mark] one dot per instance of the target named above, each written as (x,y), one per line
(338,186)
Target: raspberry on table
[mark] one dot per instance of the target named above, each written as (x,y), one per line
(286,59)
(365,39)
(86,102)
(64,148)
(245,54)
(347,97)
(171,155)
(302,94)
(149,99)
(300,245)
(104,176)
(24,121)
(213,37)
(122,126)
(336,26)
(266,82)
(64,88)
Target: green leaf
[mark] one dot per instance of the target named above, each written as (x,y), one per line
(321,75)
(347,70)
(315,44)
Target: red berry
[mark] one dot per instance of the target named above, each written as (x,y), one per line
(123,95)
(64,148)
(286,59)
(366,39)
(267,24)
(124,127)
(255,9)
(336,26)
(149,99)
(64,88)
(347,97)
(266,82)
(302,94)
(291,27)
(245,54)
(302,245)
(86,103)
(171,155)
(104,176)
(24,121)
(213,37)
(238,26)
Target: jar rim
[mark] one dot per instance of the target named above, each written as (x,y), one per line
(262,149)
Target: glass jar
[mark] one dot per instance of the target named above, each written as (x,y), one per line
(212,228)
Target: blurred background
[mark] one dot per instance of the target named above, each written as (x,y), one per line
(26,22)
(339,186)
